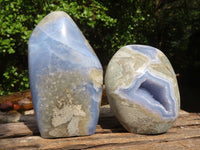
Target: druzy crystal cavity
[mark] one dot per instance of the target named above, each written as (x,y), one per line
(142,89)
(65,78)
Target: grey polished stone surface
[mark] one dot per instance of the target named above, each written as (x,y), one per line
(142,89)
(65,78)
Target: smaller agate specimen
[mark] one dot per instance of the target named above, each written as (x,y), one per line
(142,89)
(65,77)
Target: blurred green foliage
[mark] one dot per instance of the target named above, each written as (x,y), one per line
(108,25)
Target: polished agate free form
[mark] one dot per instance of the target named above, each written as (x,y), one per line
(65,78)
(142,89)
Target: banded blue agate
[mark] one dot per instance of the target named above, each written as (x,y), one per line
(65,78)
(142,89)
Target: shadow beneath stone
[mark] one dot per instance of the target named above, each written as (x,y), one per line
(107,120)
(30,122)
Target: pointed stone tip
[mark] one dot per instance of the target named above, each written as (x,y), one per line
(52,17)
(58,13)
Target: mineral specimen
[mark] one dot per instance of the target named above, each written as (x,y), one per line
(65,78)
(142,89)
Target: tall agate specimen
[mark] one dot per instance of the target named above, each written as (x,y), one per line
(65,78)
(142,89)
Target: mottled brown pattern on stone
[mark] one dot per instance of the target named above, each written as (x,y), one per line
(59,111)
